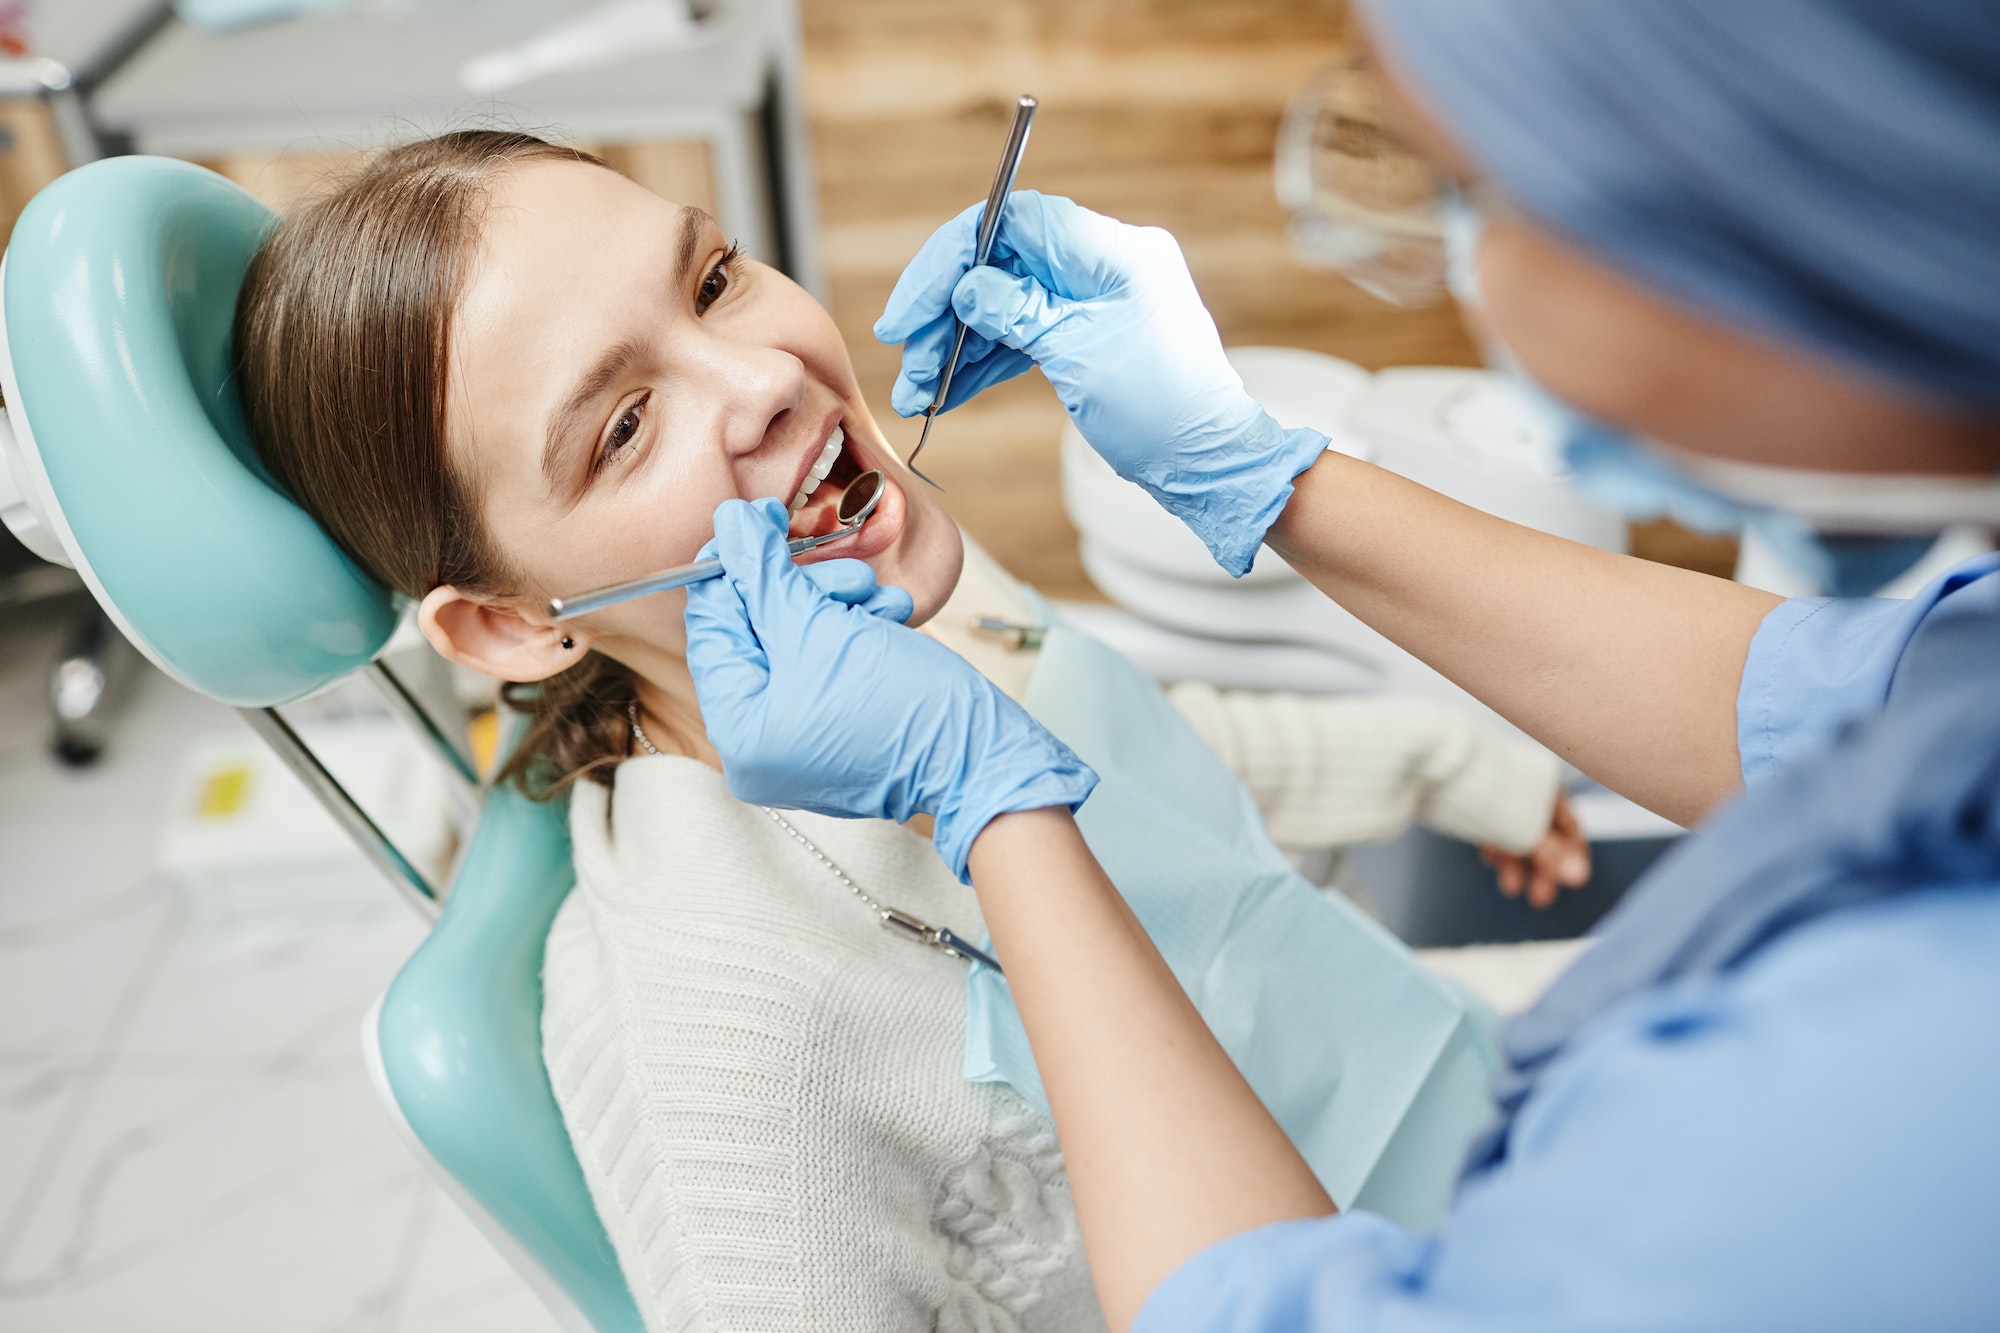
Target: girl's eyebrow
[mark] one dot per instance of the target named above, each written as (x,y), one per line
(695,222)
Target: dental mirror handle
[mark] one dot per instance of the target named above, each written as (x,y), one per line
(565,608)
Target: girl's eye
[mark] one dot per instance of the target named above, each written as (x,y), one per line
(622,433)
(717,281)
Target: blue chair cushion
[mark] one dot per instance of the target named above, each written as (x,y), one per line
(120,287)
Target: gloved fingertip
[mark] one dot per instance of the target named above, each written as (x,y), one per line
(898,320)
(746,533)
(851,582)
(893,603)
(908,399)
(921,371)
(738,518)
(901,322)
(726,511)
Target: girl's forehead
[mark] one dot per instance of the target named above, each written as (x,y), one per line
(571,252)
(569,210)
(560,263)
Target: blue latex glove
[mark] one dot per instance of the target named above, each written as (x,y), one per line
(1111,315)
(852,583)
(818,705)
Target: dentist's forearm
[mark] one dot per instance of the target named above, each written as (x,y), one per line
(1168,1149)
(1626,668)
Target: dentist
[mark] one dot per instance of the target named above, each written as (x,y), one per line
(1750,256)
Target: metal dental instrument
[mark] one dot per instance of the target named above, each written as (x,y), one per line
(857,502)
(982,251)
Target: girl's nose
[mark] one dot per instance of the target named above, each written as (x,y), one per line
(758,388)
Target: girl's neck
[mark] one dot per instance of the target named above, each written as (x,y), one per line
(671,714)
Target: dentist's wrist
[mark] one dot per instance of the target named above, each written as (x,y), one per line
(1060,781)
(1240,487)
(998,850)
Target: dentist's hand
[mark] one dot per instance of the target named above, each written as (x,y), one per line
(1111,315)
(852,583)
(815,704)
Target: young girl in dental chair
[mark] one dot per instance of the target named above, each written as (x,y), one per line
(497,372)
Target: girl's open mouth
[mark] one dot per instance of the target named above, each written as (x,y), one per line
(814,506)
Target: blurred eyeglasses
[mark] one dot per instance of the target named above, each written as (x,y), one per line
(1363,202)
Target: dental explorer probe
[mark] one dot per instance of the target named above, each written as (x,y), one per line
(857,502)
(982,251)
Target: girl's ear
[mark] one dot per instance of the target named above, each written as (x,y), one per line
(493,638)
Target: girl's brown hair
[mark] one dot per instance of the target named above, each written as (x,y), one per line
(342,335)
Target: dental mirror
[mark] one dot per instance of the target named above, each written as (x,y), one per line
(856,504)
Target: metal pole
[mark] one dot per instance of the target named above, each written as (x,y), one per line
(406,705)
(788,152)
(69,103)
(409,881)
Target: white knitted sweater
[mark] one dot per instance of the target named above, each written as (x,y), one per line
(763,1085)
(1333,770)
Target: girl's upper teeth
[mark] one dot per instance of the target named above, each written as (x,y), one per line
(824,464)
(821,466)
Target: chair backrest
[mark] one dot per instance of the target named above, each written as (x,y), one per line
(117,294)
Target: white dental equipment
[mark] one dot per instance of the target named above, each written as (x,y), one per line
(857,502)
(982,251)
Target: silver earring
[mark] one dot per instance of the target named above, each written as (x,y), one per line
(568,642)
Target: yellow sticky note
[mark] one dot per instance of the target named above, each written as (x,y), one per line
(484,733)
(224,792)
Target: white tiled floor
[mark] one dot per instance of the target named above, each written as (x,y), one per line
(187,1135)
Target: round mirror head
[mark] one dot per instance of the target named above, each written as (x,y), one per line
(858,501)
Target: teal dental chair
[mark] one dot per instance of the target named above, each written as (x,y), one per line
(125,443)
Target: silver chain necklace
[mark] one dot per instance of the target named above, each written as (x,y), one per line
(941,938)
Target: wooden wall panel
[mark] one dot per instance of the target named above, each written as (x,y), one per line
(31,155)
(676,169)
(281,180)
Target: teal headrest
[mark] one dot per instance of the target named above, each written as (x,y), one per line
(118,290)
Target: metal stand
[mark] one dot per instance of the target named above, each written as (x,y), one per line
(410,881)
(450,750)
(84,685)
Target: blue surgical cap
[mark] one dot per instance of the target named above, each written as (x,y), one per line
(1823,171)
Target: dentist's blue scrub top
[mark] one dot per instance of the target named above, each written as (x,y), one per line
(1811,1140)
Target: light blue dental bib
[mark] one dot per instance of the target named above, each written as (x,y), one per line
(1377,1069)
